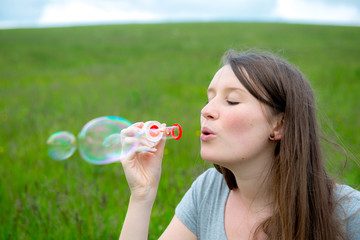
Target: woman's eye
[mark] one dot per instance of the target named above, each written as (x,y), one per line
(231,102)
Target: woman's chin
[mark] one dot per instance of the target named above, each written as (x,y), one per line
(209,157)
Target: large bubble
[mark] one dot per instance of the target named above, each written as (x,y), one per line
(93,140)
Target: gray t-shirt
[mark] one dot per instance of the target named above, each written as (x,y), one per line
(202,207)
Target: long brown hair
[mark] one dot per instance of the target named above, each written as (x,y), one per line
(304,202)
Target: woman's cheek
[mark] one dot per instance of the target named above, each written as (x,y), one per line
(236,124)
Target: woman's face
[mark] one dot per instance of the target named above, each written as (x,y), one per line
(234,125)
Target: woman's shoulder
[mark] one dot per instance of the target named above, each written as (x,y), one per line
(207,189)
(349,209)
(349,200)
(210,181)
(210,173)
(202,207)
(347,192)
(209,178)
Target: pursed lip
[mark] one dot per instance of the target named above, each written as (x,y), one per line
(206,134)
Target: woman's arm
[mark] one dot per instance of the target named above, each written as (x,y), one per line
(136,224)
(177,231)
(142,171)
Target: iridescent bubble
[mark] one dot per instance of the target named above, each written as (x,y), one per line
(99,141)
(115,142)
(61,145)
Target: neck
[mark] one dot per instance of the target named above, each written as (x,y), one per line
(254,182)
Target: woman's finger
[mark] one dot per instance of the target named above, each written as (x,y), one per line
(132,130)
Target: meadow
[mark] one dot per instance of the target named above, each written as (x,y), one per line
(56,79)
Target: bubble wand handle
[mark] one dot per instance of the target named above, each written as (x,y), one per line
(153,131)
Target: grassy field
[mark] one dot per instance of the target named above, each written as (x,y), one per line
(60,78)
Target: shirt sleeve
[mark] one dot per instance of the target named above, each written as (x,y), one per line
(188,209)
(350,205)
(353,216)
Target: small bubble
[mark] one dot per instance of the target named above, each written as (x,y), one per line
(61,145)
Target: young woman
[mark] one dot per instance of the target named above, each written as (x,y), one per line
(259,129)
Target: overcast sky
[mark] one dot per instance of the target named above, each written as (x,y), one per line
(43,13)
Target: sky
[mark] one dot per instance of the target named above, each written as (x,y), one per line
(50,13)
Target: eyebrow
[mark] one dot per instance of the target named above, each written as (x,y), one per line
(228,89)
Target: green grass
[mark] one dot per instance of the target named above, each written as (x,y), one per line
(60,78)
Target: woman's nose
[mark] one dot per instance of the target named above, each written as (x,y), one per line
(209,111)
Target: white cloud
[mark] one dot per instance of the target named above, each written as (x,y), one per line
(77,12)
(316,11)
(96,11)
(90,12)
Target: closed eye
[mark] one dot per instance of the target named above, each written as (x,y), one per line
(231,102)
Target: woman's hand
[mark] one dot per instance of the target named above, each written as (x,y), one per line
(142,169)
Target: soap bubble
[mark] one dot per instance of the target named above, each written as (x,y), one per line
(99,141)
(61,145)
(115,141)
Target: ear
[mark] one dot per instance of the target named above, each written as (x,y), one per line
(277,132)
